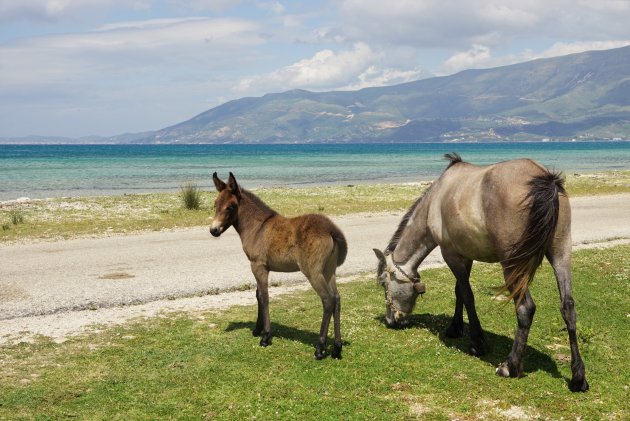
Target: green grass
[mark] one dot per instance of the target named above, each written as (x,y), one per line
(97,216)
(189,366)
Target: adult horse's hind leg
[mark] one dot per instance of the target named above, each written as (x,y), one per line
(461,266)
(561,266)
(513,365)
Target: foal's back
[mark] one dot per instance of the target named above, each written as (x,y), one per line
(480,212)
(303,242)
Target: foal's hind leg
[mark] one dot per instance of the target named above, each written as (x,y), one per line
(323,282)
(460,266)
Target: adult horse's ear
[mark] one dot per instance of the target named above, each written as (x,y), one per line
(379,255)
(233,186)
(218,184)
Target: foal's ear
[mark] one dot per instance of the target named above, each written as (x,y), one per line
(218,184)
(379,255)
(233,186)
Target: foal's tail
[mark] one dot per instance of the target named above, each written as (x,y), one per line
(528,252)
(342,246)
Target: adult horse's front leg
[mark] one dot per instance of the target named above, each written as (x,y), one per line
(456,328)
(263,323)
(461,266)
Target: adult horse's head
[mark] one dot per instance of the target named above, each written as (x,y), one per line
(226,204)
(401,290)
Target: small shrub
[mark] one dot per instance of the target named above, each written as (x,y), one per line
(16,217)
(191,196)
(6,227)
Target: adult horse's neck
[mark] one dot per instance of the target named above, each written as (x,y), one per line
(252,214)
(412,241)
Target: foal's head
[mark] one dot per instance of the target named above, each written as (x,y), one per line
(401,291)
(226,204)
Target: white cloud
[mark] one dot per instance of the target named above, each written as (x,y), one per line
(480,56)
(461,23)
(564,48)
(354,68)
(58,9)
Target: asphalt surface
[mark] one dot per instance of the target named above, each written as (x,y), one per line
(52,277)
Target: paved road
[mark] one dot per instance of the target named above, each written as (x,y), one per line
(50,277)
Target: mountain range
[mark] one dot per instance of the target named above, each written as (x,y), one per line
(578,96)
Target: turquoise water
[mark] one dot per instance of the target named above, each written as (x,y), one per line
(39,171)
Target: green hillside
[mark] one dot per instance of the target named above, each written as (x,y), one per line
(584,95)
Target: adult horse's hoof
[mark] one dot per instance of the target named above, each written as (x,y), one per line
(454,331)
(319,354)
(503,370)
(578,385)
(336,352)
(265,341)
(477,349)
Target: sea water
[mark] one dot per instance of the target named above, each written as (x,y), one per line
(40,171)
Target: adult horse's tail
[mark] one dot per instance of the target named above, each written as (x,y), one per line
(528,252)
(340,242)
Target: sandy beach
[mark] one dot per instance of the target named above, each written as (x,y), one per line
(63,288)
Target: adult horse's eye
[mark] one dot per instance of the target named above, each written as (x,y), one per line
(231,208)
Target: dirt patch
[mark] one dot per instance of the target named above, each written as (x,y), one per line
(10,292)
(117,275)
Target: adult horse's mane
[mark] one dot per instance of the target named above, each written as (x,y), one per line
(453,159)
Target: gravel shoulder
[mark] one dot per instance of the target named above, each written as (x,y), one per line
(62,288)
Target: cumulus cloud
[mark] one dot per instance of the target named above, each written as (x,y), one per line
(353,68)
(480,56)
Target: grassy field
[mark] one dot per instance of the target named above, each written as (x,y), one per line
(208,366)
(97,216)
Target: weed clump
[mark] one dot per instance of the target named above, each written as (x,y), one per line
(191,196)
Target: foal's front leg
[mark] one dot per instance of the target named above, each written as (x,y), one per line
(263,323)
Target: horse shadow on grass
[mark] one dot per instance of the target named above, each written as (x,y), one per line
(279,330)
(497,346)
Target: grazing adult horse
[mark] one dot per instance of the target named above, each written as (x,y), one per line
(515,213)
(310,243)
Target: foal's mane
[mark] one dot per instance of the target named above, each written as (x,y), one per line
(453,159)
(261,206)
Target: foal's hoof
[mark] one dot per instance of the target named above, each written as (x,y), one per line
(336,352)
(320,352)
(578,385)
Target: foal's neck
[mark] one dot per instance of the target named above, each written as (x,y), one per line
(252,213)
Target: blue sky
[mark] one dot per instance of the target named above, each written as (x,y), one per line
(104,67)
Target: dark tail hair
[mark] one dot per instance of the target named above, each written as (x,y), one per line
(342,245)
(528,252)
